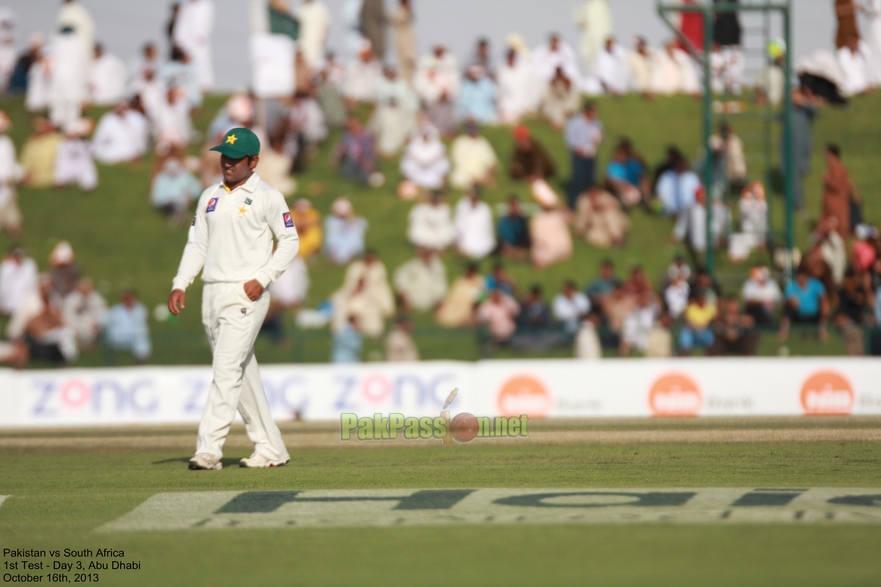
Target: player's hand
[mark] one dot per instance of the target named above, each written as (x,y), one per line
(177,300)
(253,289)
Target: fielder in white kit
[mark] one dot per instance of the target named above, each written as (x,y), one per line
(230,241)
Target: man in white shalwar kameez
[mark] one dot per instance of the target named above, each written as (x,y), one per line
(474,160)
(108,78)
(639,61)
(436,74)
(546,58)
(395,117)
(8,54)
(611,68)
(425,161)
(363,75)
(314,25)
(74,163)
(853,59)
(430,224)
(192,33)
(475,234)
(10,174)
(73,15)
(519,88)
(594,19)
(673,72)
(69,79)
(121,135)
(872,10)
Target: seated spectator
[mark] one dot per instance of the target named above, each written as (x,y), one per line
(394,119)
(754,213)
(475,235)
(13,353)
(477,100)
(437,76)
(761,295)
(376,283)
(604,284)
(696,331)
(676,294)
(287,292)
(519,88)
(660,338)
(11,173)
(174,190)
(865,247)
(275,166)
(612,68)
(442,115)
(534,311)
(513,230)
(498,313)
(430,224)
(108,78)
(39,154)
(831,248)
(181,72)
(73,162)
(560,100)
(347,343)
(356,299)
(363,75)
(356,153)
(39,323)
(600,219)
(422,282)
(856,298)
(530,160)
(733,331)
(639,61)
(308,223)
(587,341)
(728,151)
(126,327)
(399,344)
(550,237)
(679,265)
(501,279)
(425,161)
(570,307)
(19,279)
(674,72)
(638,324)
(473,158)
(65,272)
(457,308)
(625,176)
(693,230)
(84,311)
(121,135)
(344,233)
(677,189)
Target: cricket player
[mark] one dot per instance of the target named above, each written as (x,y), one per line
(230,241)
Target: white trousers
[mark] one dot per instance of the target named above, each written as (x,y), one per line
(232,322)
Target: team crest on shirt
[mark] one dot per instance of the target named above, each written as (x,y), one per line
(248,201)
(212,204)
(288,221)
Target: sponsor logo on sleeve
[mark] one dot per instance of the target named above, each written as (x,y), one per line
(288,220)
(212,204)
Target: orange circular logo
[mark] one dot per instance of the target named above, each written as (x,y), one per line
(675,395)
(524,394)
(827,393)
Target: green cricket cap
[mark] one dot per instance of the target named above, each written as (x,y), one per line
(238,143)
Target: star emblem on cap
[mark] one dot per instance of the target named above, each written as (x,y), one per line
(231,139)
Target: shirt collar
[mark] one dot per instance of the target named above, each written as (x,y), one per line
(249,186)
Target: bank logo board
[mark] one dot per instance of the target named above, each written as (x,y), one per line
(524,394)
(390,507)
(827,393)
(675,394)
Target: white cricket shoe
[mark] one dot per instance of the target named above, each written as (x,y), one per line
(258,461)
(205,462)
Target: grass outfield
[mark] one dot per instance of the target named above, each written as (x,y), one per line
(66,483)
(121,241)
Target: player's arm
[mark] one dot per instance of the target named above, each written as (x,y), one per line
(192,261)
(278,216)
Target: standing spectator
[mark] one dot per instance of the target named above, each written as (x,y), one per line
(10,174)
(18,280)
(373,22)
(174,189)
(804,111)
(696,331)
(399,344)
(474,160)
(727,33)
(513,229)
(570,307)
(807,302)
(761,295)
(84,311)
(839,192)
(872,10)
(733,331)
(394,119)
(430,224)
(405,39)
(855,302)
(530,160)
(347,343)
(475,235)
(594,18)
(677,293)
(314,25)
(68,89)
(356,153)
(344,233)
(126,328)
(422,282)
(846,15)
(677,190)
(498,312)
(192,33)
(584,133)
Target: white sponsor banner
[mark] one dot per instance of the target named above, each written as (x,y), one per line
(558,388)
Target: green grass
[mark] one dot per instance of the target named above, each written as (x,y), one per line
(60,495)
(121,241)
